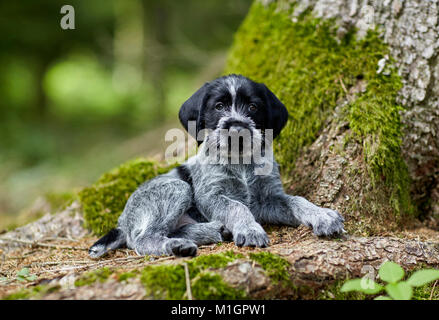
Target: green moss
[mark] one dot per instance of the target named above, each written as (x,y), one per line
(310,70)
(91,277)
(169,282)
(212,287)
(32,292)
(127,275)
(164,282)
(275,267)
(375,120)
(104,201)
(212,261)
(426,292)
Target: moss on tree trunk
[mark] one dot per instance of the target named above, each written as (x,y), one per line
(340,108)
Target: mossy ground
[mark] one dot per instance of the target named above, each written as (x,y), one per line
(311,70)
(164,278)
(275,267)
(93,276)
(169,281)
(32,292)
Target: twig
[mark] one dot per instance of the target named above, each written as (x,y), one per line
(54,263)
(432,290)
(59,239)
(39,244)
(342,85)
(188,281)
(104,262)
(207,246)
(73,268)
(19,257)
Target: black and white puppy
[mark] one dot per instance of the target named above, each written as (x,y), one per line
(210,198)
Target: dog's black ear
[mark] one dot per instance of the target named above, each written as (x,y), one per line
(190,110)
(277,113)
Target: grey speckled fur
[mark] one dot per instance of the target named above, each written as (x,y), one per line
(213,202)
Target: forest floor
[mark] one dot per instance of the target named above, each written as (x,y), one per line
(48,259)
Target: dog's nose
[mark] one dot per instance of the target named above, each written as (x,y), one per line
(235,125)
(236,128)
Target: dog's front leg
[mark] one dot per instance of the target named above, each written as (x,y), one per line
(237,218)
(272,205)
(323,221)
(293,210)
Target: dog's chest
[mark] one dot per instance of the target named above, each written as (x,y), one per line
(238,182)
(242,181)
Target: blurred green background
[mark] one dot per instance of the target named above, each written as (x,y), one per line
(75,103)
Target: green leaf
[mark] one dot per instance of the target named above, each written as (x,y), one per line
(23,275)
(364,285)
(383,298)
(391,272)
(421,277)
(23,272)
(399,291)
(32,277)
(351,285)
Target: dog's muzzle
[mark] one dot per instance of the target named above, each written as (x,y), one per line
(239,135)
(235,125)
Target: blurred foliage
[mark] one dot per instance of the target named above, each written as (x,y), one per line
(70,98)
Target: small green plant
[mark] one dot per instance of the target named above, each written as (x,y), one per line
(24,276)
(396,289)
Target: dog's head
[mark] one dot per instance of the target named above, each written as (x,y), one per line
(234,103)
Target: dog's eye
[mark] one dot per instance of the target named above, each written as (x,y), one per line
(219,106)
(252,107)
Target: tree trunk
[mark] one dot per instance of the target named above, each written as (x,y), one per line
(360,80)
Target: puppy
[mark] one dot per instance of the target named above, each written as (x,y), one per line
(219,194)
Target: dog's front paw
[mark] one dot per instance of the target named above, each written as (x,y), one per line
(219,232)
(328,222)
(226,235)
(251,236)
(182,248)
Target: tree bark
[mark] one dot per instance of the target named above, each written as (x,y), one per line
(333,170)
(411,30)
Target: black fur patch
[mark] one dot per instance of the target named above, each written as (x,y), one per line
(185,175)
(114,239)
(112,236)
